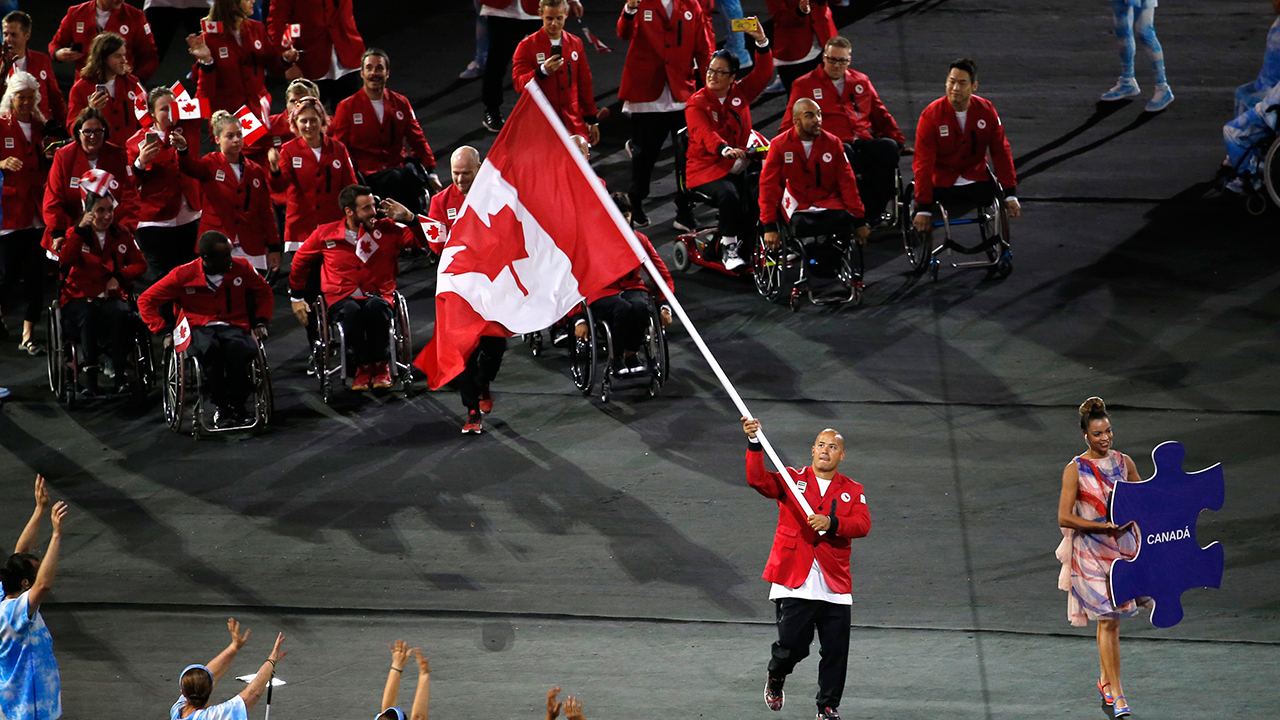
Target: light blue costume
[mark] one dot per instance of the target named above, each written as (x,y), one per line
(232,709)
(1139,15)
(734,42)
(30,688)
(1249,94)
(1248,129)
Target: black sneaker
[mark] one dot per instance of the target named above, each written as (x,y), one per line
(638,218)
(774,697)
(493,121)
(828,713)
(684,221)
(224,418)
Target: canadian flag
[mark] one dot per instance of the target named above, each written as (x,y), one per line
(211,26)
(139,96)
(99,182)
(250,125)
(192,108)
(536,234)
(180,93)
(182,335)
(437,233)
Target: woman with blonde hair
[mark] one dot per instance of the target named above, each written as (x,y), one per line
(26,167)
(1091,543)
(232,63)
(311,170)
(235,197)
(107,84)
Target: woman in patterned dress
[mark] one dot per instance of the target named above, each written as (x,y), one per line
(1090,543)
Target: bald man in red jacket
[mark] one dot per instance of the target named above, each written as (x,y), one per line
(809,564)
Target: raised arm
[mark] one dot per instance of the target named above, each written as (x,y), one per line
(259,683)
(49,566)
(399,658)
(422,697)
(759,478)
(220,664)
(27,539)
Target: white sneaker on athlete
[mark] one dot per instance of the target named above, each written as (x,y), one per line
(731,259)
(1125,88)
(1161,99)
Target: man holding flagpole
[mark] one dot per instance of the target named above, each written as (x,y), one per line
(809,564)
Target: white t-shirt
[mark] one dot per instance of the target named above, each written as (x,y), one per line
(336,68)
(316,151)
(379,108)
(808,148)
(815,586)
(814,50)
(839,85)
(232,709)
(963,119)
(103,17)
(26,129)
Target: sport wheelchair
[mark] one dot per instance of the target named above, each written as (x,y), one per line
(65,364)
(1259,184)
(786,274)
(329,351)
(184,394)
(586,356)
(993,227)
(701,248)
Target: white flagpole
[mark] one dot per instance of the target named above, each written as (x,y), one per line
(625,228)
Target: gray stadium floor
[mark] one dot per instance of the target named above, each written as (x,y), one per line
(616,550)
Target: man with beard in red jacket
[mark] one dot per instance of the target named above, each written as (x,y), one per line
(809,564)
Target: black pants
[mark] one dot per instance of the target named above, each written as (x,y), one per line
(333,92)
(797,620)
(874,162)
(366,324)
(961,199)
(648,132)
(100,325)
(165,21)
(404,184)
(735,197)
(166,248)
(504,35)
(788,73)
(226,355)
(482,368)
(818,223)
(628,316)
(22,259)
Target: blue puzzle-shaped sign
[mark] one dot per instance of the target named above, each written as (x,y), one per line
(1169,560)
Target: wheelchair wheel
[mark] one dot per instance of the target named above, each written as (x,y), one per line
(768,268)
(144,367)
(999,253)
(606,377)
(1271,172)
(263,397)
(403,344)
(175,390)
(680,255)
(55,359)
(322,350)
(533,341)
(585,355)
(658,356)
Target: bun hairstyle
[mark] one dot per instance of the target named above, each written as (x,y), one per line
(1092,409)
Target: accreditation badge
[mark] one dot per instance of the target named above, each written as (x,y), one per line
(788,157)
(944,131)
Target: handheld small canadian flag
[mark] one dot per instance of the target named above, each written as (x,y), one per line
(437,233)
(180,93)
(192,108)
(182,335)
(139,96)
(250,125)
(211,26)
(97,181)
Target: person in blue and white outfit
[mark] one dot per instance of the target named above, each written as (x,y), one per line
(1250,93)
(1243,133)
(30,688)
(1137,18)
(197,683)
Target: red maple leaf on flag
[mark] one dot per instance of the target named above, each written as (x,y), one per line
(365,247)
(246,124)
(488,250)
(433,232)
(189,107)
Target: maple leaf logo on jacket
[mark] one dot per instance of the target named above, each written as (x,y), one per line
(494,250)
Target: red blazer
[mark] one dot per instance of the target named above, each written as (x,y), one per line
(944,153)
(634,280)
(793,32)
(243,299)
(714,126)
(239,71)
(161,185)
(80,25)
(311,186)
(824,179)
(855,114)
(86,268)
(278,133)
(63,203)
(569,88)
(52,105)
(662,50)
(376,146)
(327,25)
(795,544)
(342,272)
(119,111)
(23,189)
(241,209)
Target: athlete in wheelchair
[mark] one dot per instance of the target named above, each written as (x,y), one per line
(952,177)
(718,161)
(1252,153)
(811,213)
(98,261)
(214,312)
(853,112)
(363,321)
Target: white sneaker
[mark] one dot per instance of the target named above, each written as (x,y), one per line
(1161,99)
(473,71)
(731,259)
(775,87)
(1125,88)
(1235,185)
